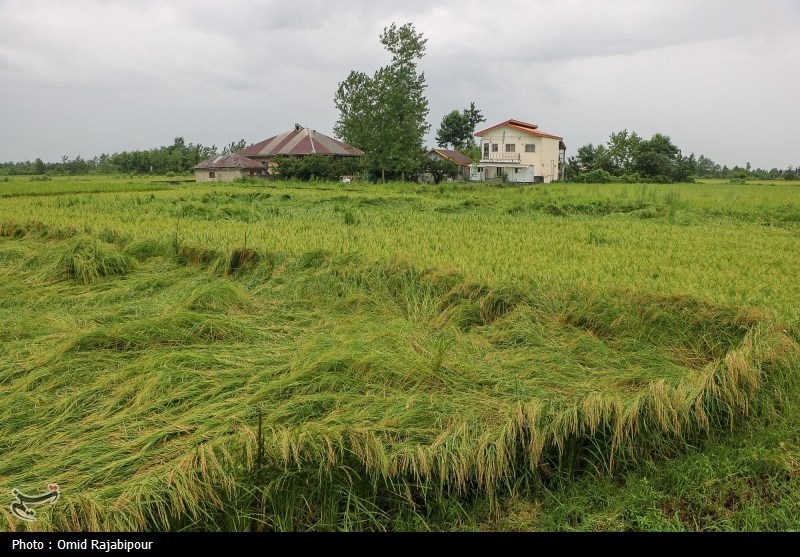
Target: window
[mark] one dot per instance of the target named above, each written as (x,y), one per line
(530,147)
(485,149)
(510,147)
(212,174)
(494,147)
(252,172)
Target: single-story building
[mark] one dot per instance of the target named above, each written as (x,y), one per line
(461,160)
(256,160)
(227,168)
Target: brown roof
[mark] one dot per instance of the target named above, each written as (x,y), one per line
(456,156)
(522,126)
(227,161)
(301,141)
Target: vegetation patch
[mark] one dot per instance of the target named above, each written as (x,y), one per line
(380,388)
(87,260)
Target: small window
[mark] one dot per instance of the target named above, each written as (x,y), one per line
(510,147)
(516,171)
(212,174)
(494,147)
(252,172)
(485,149)
(530,147)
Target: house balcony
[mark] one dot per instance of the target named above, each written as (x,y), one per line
(505,158)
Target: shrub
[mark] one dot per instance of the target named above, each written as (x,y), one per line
(598,176)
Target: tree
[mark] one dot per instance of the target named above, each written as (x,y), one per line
(385,115)
(38,166)
(622,148)
(458,128)
(234,147)
(439,168)
(626,156)
(452,132)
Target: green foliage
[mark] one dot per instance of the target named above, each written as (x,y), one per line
(384,115)
(598,176)
(458,128)
(316,167)
(234,147)
(629,158)
(439,168)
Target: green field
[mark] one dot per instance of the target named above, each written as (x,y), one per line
(563,356)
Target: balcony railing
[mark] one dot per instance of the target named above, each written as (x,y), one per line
(506,158)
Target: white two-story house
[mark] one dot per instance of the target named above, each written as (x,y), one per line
(516,151)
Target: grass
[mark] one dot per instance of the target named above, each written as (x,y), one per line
(499,359)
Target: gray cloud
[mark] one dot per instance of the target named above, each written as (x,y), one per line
(101,76)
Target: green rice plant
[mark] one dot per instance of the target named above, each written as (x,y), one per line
(218,296)
(143,250)
(424,369)
(236,260)
(86,260)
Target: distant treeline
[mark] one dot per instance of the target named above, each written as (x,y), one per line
(178,158)
(628,157)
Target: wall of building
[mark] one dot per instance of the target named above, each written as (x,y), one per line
(220,175)
(544,158)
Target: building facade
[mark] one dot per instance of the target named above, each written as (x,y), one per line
(515,151)
(227,168)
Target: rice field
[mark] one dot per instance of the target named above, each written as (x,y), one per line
(284,356)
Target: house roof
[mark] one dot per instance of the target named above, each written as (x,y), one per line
(456,156)
(227,161)
(301,141)
(525,127)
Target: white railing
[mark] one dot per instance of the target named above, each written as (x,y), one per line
(508,158)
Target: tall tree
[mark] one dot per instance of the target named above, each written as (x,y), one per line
(458,128)
(385,115)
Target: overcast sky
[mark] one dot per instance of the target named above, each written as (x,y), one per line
(86,77)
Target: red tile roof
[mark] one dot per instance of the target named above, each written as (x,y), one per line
(227,161)
(522,126)
(301,141)
(456,156)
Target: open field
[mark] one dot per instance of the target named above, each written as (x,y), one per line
(553,357)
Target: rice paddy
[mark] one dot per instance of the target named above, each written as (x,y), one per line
(292,356)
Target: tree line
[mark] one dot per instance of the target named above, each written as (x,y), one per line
(177,158)
(628,157)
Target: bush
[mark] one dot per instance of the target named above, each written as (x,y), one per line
(598,176)
(316,167)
